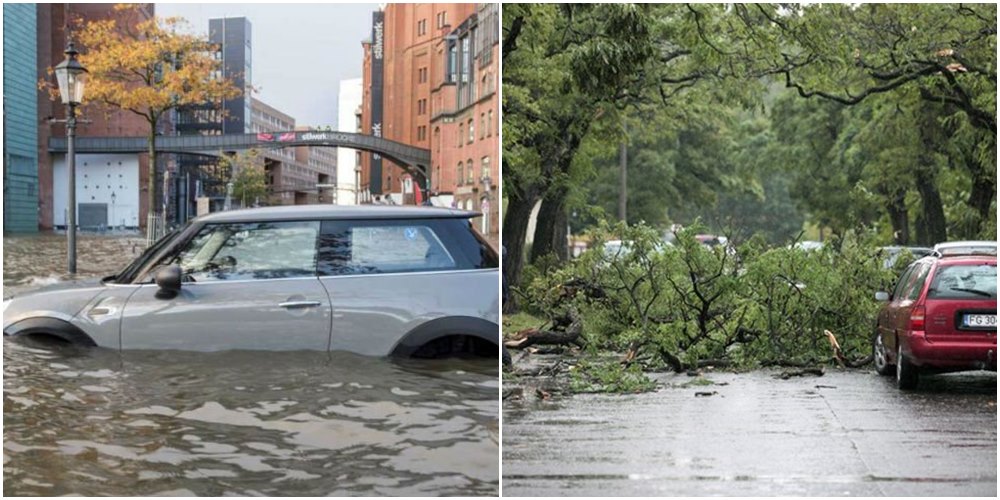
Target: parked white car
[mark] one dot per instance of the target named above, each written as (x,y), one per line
(966,248)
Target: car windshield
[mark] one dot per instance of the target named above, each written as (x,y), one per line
(126,274)
(965,281)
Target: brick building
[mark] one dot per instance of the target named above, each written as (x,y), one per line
(119,206)
(437,89)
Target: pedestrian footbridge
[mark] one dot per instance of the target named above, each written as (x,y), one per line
(415,160)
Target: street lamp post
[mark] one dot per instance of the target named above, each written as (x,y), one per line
(72,77)
(112,210)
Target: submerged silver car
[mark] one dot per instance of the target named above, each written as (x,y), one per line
(375,280)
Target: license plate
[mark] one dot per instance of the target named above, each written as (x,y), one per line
(980,320)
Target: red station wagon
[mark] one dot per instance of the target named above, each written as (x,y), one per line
(941,317)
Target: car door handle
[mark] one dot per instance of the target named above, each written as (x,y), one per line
(299,304)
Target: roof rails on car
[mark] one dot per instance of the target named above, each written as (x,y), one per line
(972,252)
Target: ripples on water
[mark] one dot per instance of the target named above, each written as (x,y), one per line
(32,261)
(96,422)
(93,422)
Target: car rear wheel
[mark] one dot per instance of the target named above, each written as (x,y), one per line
(882,366)
(456,346)
(906,374)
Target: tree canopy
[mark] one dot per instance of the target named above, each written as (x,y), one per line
(777,117)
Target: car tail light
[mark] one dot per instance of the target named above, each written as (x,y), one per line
(917,316)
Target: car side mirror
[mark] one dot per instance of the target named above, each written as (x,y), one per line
(169,281)
(882,296)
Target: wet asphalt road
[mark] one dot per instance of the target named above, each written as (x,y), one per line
(843,434)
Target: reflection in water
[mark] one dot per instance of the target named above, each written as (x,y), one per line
(96,422)
(246,423)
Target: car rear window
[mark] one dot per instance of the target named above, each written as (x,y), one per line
(964,281)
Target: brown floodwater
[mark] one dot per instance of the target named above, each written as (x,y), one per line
(100,422)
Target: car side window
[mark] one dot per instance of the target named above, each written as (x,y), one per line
(903,280)
(250,251)
(916,284)
(375,247)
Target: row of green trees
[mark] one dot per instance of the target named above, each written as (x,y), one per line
(756,117)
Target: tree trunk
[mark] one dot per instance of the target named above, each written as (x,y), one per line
(623,181)
(151,179)
(550,229)
(899,217)
(931,225)
(980,196)
(515,230)
(980,200)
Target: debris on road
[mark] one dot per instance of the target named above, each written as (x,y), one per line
(787,374)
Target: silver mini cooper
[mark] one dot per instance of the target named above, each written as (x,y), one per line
(375,280)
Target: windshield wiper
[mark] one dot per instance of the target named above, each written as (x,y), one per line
(971,290)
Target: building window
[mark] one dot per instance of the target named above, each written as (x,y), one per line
(461,134)
(461,177)
(484,208)
(482,125)
(421,27)
(470,175)
(451,69)
(489,121)
(422,75)
(486,168)
(437,142)
(421,106)
(442,19)
(466,56)
(472,130)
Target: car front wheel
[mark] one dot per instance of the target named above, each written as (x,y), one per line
(906,373)
(882,366)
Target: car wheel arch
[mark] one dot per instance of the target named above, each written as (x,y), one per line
(50,327)
(448,326)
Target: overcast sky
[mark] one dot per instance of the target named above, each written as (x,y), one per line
(300,51)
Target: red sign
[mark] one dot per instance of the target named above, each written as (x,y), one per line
(265,137)
(287,137)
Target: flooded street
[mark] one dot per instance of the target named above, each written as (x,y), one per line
(848,433)
(97,422)
(32,261)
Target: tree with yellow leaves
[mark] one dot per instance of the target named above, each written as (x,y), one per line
(149,67)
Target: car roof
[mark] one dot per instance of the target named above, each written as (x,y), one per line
(970,243)
(353,212)
(965,259)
